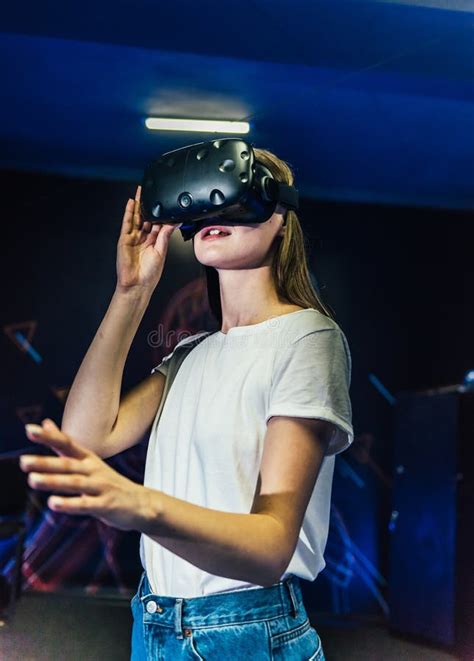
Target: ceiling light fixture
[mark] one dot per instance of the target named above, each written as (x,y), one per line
(201,125)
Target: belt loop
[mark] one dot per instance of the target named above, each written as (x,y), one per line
(178,609)
(294,601)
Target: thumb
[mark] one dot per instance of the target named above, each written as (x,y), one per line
(163,237)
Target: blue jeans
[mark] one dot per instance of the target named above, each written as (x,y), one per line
(264,624)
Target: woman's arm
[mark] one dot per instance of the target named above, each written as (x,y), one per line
(92,408)
(93,401)
(255,547)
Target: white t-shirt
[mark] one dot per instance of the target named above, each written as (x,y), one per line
(208,444)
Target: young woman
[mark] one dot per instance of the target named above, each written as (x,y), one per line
(234,510)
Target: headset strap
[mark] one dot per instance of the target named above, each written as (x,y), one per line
(279,192)
(179,354)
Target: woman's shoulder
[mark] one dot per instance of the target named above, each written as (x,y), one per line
(190,339)
(304,321)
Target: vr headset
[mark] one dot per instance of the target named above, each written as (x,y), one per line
(220,179)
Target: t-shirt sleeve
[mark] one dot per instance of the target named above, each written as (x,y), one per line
(163,366)
(311,379)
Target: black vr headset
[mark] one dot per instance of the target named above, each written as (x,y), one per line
(220,179)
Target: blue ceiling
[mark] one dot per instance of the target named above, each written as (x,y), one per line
(368,101)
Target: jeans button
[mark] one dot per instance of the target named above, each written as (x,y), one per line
(188,632)
(151,607)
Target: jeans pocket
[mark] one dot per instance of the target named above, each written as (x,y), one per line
(319,653)
(192,645)
(301,643)
(250,640)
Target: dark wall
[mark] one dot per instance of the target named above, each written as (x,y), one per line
(399,280)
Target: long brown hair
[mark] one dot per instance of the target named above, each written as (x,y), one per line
(289,268)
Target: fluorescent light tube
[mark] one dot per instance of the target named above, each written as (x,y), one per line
(201,125)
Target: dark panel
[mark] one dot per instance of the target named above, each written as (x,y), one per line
(430,553)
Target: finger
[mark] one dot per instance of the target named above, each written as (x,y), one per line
(137,211)
(73,505)
(166,229)
(55,439)
(163,237)
(144,233)
(71,484)
(29,462)
(152,234)
(127,221)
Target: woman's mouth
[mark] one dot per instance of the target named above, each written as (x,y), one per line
(212,237)
(214,233)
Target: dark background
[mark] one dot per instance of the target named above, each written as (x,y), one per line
(398,278)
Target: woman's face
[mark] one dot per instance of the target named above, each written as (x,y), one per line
(246,246)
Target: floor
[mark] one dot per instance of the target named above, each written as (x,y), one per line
(52,627)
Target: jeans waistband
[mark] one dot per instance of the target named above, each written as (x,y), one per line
(237,606)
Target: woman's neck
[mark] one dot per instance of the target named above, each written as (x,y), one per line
(275,312)
(248,296)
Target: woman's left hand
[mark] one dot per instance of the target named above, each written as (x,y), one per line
(93,487)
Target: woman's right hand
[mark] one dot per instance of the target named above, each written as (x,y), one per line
(141,248)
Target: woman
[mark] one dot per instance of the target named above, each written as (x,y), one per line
(234,510)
